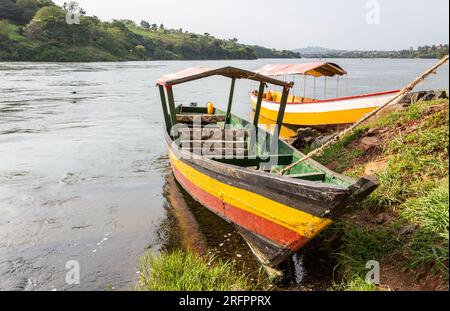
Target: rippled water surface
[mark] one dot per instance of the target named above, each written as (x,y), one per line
(83,168)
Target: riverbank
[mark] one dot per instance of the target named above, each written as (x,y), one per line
(403,225)
(40,32)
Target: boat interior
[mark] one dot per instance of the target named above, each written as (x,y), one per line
(204,134)
(223,137)
(274,96)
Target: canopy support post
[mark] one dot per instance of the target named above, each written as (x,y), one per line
(282,110)
(164,107)
(259,104)
(315,90)
(173,113)
(230,101)
(325,87)
(304,86)
(346,85)
(337,88)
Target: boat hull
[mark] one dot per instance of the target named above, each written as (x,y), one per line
(331,112)
(276,216)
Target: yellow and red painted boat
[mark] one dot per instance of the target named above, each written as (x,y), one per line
(304,111)
(239,180)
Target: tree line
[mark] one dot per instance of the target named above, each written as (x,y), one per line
(38,30)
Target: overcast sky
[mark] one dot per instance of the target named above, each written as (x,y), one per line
(290,24)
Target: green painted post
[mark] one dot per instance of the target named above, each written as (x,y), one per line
(254,139)
(230,101)
(164,107)
(262,86)
(281,111)
(173,112)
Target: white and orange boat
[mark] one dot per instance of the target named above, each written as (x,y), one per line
(311,111)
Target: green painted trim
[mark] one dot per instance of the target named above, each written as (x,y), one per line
(262,86)
(230,101)
(281,111)
(164,107)
(173,113)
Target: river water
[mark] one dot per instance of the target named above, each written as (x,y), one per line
(84,172)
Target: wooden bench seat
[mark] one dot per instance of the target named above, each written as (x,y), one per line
(212,134)
(200,118)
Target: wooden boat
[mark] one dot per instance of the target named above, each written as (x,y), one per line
(305,111)
(277,215)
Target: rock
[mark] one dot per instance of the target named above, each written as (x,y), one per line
(423,95)
(305,137)
(369,142)
(440,95)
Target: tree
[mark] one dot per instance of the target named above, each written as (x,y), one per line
(161,26)
(21,11)
(145,24)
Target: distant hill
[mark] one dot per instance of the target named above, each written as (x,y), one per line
(37,30)
(433,51)
(315,50)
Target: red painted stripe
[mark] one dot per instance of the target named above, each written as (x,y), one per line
(337,99)
(272,231)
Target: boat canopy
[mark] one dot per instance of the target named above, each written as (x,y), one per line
(192,74)
(317,69)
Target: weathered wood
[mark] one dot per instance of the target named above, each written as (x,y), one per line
(213,133)
(230,101)
(203,119)
(217,152)
(310,197)
(281,111)
(173,114)
(397,99)
(167,120)
(259,104)
(215,143)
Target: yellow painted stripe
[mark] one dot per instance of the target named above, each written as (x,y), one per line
(303,223)
(318,118)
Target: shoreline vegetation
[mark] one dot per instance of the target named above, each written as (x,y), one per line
(37,30)
(430,52)
(187,271)
(403,225)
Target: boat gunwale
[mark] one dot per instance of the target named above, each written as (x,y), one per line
(332,99)
(212,164)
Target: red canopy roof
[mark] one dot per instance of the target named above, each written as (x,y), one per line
(192,74)
(182,74)
(317,69)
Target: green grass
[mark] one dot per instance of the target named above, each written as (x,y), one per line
(340,152)
(413,187)
(186,271)
(429,245)
(355,284)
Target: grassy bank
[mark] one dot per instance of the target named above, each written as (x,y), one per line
(186,271)
(404,225)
